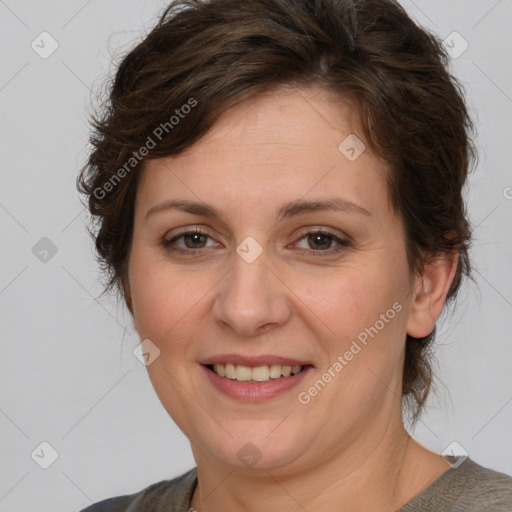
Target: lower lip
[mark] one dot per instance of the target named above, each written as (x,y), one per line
(254,392)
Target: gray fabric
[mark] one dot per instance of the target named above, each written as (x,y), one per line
(466,488)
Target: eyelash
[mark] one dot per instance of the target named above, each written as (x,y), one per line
(342,243)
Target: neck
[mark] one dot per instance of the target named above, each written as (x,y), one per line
(382,469)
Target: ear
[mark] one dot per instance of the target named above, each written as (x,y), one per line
(429,294)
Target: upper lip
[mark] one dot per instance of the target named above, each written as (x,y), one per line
(253,360)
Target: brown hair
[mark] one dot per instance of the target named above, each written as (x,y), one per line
(210,55)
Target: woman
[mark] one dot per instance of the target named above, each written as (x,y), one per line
(277,186)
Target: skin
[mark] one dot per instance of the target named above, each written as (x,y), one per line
(346,447)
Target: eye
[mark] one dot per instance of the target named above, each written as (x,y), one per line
(320,241)
(194,241)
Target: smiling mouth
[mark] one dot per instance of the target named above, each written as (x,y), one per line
(255,374)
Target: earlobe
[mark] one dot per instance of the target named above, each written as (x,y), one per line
(429,296)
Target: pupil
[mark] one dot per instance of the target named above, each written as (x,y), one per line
(316,237)
(195,238)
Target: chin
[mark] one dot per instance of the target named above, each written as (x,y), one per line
(257,449)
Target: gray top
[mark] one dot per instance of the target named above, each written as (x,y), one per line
(467,487)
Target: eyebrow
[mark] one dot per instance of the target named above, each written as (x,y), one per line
(288,210)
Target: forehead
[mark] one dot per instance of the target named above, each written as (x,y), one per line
(287,117)
(280,145)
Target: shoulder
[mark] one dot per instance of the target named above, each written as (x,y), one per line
(468,487)
(484,487)
(168,495)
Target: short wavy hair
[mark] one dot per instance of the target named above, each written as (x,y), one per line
(209,55)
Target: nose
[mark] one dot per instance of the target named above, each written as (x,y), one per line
(251,299)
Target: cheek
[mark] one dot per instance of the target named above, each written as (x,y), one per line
(365,307)
(355,299)
(163,299)
(367,315)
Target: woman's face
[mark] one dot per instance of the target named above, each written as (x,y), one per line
(254,289)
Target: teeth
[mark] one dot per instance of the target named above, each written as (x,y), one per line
(219,369)
(296,369)
(260,373)
(230,371)
(275,371)
(243,373)
(257,374)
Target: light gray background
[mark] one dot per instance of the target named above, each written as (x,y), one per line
(68,374)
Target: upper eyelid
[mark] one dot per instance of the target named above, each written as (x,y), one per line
(189,231)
